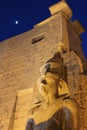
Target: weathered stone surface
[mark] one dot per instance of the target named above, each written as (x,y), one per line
(24,102)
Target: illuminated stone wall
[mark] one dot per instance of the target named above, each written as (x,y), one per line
(20,61)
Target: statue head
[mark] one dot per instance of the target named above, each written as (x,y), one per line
(48,86)
(51,83)
(53,87)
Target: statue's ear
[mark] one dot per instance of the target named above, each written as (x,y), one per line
(63,88)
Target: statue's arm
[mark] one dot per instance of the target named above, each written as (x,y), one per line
(70,116)
(30,125)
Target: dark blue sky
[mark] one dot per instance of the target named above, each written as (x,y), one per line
(30,12)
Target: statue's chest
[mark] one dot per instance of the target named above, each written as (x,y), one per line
(44,114)
(46,125)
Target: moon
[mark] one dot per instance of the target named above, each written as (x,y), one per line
(16,22)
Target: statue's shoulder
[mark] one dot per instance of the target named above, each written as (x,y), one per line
(66,101)
(70,102)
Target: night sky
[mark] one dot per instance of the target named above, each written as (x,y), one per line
(18,16)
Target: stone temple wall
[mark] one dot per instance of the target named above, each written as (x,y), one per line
(20,60)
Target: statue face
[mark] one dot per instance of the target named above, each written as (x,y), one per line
(48,87)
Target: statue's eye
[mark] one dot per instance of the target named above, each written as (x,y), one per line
(44,81)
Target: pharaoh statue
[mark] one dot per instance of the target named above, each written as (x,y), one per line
(57,111)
